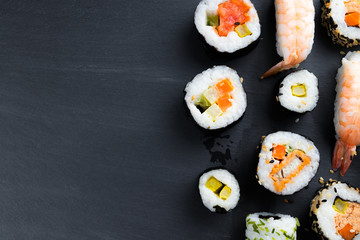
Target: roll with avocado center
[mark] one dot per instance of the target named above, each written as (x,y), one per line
(216,97)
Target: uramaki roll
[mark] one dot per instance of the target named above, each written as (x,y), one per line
(335,212)
(287,162)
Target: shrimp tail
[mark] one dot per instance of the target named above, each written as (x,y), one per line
(338,154)
(350,151)
(281,66)
(342,156)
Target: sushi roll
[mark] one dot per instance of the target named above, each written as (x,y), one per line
(342,20)
(219,190)
(299,92)
(287,162)
(216,97)
(335,212)
(269,226)
(227,25)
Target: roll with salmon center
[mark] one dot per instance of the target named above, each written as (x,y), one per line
(269,226)
(335,212)
(227,25)
(342,20)
(216,97)
(219,190)
(299,92)
(287,162)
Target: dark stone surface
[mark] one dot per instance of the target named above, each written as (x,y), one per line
(97,143)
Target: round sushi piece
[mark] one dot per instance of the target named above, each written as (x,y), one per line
(227,25)
(269,226)
(219,190)
(299,91)
(342,20)
(335,212)
(287,162)
(216,97)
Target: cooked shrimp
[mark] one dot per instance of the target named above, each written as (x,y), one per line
(347,112)
(295,33)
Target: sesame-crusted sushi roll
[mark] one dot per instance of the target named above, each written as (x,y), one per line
(227,25)
(287,162)
(216,97)
(269,226)
(219,190)
(299,92)
(342,20)
(335,212)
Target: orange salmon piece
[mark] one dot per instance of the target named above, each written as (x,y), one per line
(231,12)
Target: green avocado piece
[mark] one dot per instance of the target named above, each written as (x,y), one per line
(202,102)
(213,20)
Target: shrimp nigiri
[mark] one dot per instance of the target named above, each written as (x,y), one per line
(347,112)
(295,33)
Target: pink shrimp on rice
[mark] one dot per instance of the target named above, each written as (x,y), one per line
(295,33)
(347,112)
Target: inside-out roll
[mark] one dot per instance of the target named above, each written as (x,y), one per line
(335,212)
(227,25)
(342,20)
(287,162)
(269,226)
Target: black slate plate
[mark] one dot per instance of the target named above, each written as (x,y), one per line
(97,143)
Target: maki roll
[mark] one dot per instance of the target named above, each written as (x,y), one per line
(219,190)
(227,25)
(287,162)
(299,92)
(335,212)
(216,97)
(342,20)
(269,226)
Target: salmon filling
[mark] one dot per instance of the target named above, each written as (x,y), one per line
(215,100)
(352,15)
(232,16)
(290,163)
(347,220)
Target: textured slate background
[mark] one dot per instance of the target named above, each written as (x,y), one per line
(97,143)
